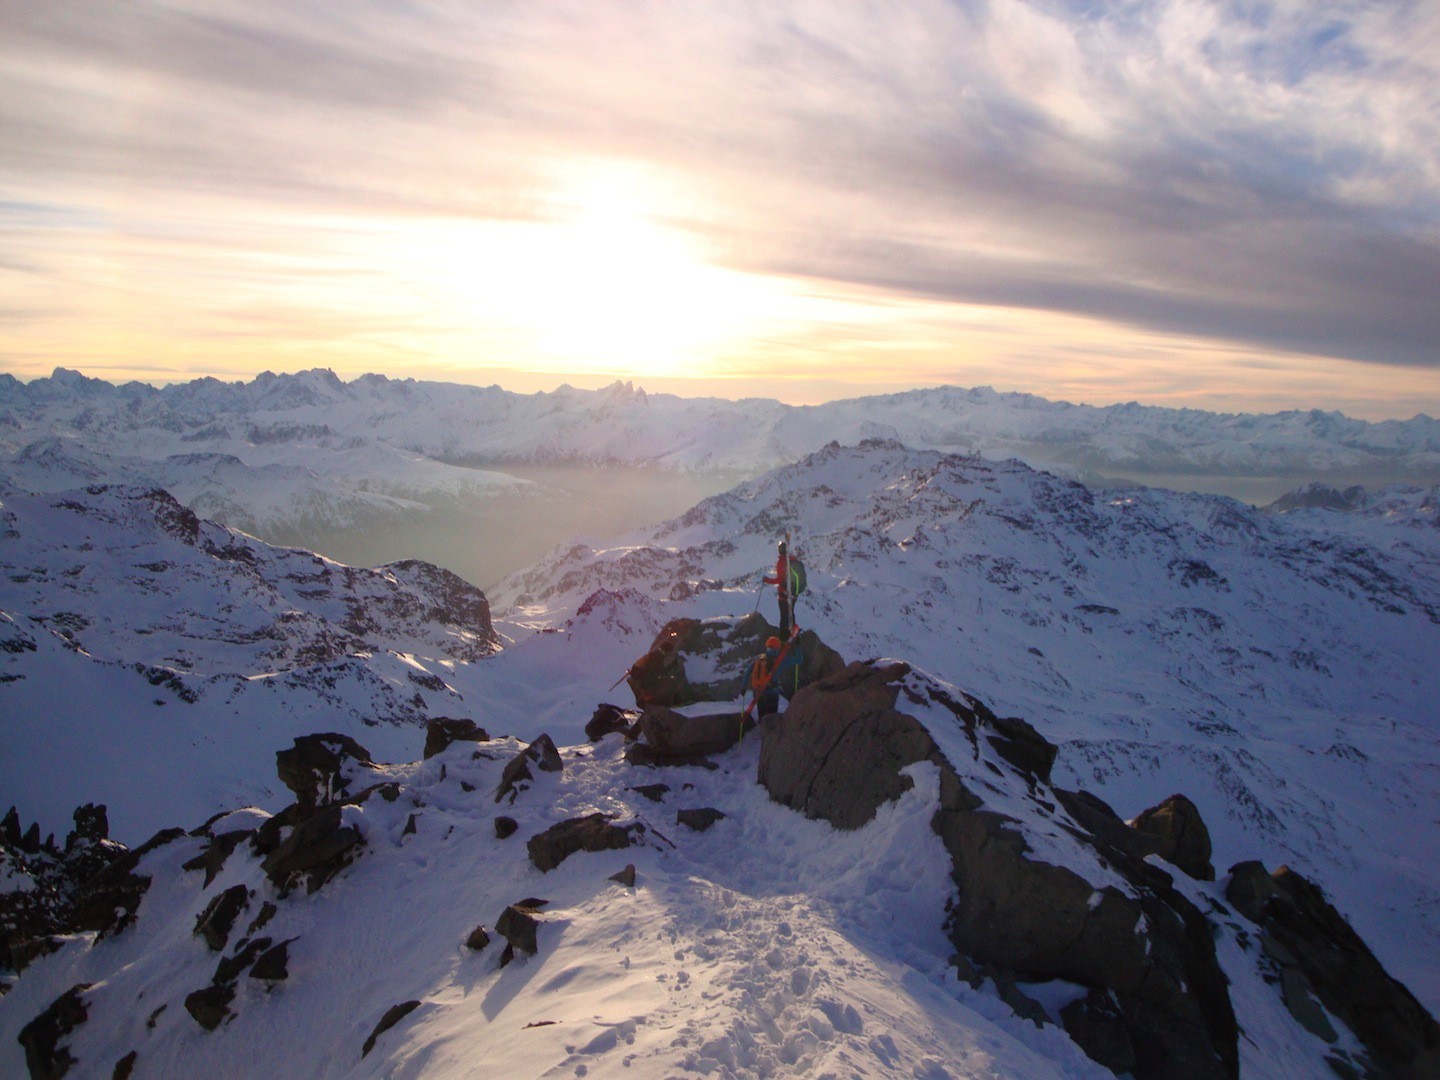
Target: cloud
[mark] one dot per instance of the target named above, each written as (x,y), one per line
(1265,173)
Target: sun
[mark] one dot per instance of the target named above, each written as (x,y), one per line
(605,281)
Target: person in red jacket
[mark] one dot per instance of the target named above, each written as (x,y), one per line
(781,581)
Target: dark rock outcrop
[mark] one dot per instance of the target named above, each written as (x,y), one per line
(316,850)
(444,730)
(519,925)
(273,964)
(1181,836)
(593,832)
(210,1005)
(608,720)
(625,877)
(837,754)
(505,827)
(699,818)
(478,938)
(44,1056)
(320,769)
(1318,955)
(393,1016)
(517,775)
(674,738)
(215,922)
(724,649)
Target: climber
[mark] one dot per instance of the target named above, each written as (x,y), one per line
(789,582)
(774,674)
(653,677)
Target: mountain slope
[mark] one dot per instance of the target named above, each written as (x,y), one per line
(1278,673)
(138,639)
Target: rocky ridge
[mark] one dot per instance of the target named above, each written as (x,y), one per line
(1051,918)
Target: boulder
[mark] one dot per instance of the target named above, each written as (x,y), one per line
(519,924)
(1181,836)
(608,720)
(211,1005)
(1319,955)
(316,850)
(320,769)
(45,1057)
(274,963)
(215,922)
(230,967)
(674,737)
(478,938)
(700,818)
(593,832)
(505,827)
(517,775)
(444,730)
(625,877)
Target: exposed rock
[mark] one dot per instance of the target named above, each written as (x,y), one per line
(1097,1027)
(320,769)
(674,737)
(444,730)
(479,938)
(45,1057)
(125,1066)
(1183,838)
(274,963)
(211,1005)
(316,849)
(700,818)
(108,901)
(230,967)
(517,775)
(625,877)
(518,925)
(217,851)
(593,832)
(653,792)
(92,823)
(822,760)
(215,922)
(505,826)
(837,753)
(724,649)
(267,912)
(393,1016)
(1318,954)
(608,720)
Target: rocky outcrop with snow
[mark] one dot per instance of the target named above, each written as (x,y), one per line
(961,916)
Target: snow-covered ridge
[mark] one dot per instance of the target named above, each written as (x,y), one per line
(1277,668)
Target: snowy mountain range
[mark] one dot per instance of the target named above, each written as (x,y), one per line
(297,452)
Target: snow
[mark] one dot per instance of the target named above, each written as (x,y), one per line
(768,946)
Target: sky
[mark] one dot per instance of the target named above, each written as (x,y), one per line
(1227,205)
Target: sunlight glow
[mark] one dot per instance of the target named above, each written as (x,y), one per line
(604,283)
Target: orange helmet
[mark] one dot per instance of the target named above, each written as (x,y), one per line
(772,643)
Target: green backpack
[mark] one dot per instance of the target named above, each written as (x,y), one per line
(797,576)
